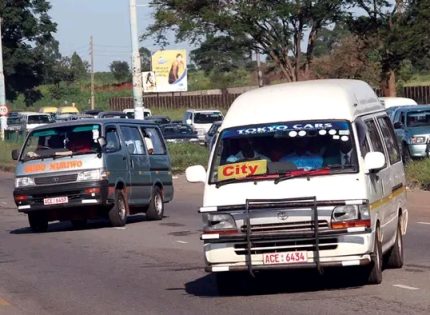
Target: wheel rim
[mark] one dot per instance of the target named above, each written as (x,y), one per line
(121,208)
(158,203)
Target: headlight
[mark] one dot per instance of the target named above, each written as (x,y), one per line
(92,175)
(418,140)
(24,182)
(345,213)
(215,222)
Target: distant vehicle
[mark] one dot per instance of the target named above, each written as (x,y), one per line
(84,169)
(67,110)
(412,127)
(93,112)
(130,112)
(160,120)
(48,110)
(201,120)
(178,133)
(112,115)
(210,136)
(14,123)
(396,101)
(30,120)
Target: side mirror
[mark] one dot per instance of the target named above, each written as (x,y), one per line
(398,125)
(188,121)
(195,174)
(15,154)
(102,142)
(374,161)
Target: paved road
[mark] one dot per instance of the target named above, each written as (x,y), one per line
(156,268)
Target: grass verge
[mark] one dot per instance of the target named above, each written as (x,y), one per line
(418,174)
(6,162)
(187,154)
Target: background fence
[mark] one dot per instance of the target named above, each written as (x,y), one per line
(222,99)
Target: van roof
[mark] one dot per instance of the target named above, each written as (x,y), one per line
(101,121)
(397,101)
(306,100)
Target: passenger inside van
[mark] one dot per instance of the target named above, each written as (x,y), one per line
(80,142)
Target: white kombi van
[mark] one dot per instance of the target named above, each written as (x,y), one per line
(305,174)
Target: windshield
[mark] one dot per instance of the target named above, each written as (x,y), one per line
(38,119)
(277,149)
(13,121)
(62,141)
(177,130)
(418,118)
(207,118)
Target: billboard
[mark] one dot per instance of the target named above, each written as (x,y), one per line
(149,82)
(170,71)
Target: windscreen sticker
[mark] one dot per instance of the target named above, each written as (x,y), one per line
(96,134)
(336,137)
(242,169)
(344,138)
(344,132)
(54,166)
(274,128)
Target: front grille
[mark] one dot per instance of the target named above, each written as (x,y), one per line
(286,245)
(302,226)
(47,180)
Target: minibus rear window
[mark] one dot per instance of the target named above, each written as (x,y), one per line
(273,149)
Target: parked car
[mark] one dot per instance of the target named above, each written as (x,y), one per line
(210,136)
(31,120)
(412,127)
(85,169)
(108,114)
(201,120)
(159,119)
(93,112)
(63,110)
(179,133)
(130,112)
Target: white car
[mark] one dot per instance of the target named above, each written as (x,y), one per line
(202,120)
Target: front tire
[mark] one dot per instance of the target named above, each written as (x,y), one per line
(38,222)
(395,256)
(374,271)
(118,213)
(156,206)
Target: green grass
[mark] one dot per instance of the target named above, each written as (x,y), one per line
(187,154)
(6,148)
(418,174)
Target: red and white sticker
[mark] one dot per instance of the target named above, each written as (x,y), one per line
(3,110)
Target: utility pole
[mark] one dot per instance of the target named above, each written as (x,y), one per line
(3,119)
(92,71)
(137,73)
(259,73)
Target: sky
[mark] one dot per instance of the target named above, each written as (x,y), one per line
(108,21)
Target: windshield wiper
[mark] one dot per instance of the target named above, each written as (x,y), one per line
(302,173)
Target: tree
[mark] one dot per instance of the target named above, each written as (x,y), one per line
(274,28)
(27,37)
(120,70)
(145,56)
(78,67)
(396,32)
(222,54)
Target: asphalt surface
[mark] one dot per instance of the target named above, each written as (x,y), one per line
(157,268)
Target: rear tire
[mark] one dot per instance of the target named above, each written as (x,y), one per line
(119,211)
(395,255)
(374,270)
(38,222)
(156,206)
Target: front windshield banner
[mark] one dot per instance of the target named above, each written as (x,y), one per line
(284,147)
(62,141)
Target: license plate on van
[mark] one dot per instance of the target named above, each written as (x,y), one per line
(55,200)
(285,258)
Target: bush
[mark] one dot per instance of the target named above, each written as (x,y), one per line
(418,174)
(187,154)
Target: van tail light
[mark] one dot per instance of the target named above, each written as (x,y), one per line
(94,190)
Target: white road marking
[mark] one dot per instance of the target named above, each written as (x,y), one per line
(182,242)
(401,286)
(426,223)
(120,228)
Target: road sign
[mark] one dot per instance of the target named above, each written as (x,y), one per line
(3,110)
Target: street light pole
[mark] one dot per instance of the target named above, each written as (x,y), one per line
(136,66)
(3,118)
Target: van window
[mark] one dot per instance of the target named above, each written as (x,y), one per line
(132,140)
(374,137)
(112,140)
(390,139)
(62,141)
(156,139)
(277,149)
(418,118)
(207,118)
